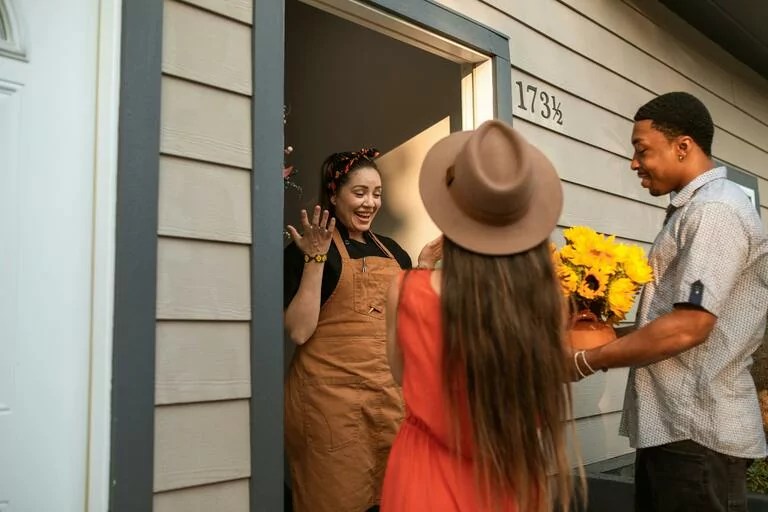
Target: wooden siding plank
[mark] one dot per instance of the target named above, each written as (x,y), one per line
(223,497)
(588,166)
(615,215)
(681,47)
(599,439)
(604,129)
(601,393)
(764,215)
(201,444)
(592,66)
(240,10)
(202,281)
(204,201)
(586,37)
(202,361)
(207,48)
(204,123)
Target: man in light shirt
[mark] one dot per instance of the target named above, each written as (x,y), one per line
(691,409)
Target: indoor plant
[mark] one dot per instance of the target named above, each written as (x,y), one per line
(601,278)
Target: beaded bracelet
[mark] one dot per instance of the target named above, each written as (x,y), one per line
(317,258)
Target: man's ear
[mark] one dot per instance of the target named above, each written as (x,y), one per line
(685,144)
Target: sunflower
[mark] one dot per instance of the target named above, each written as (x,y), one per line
(593,284)
(636,266)
(569,278)
(621,295)
(593,250)
(599,272)
(554,254)
(569,253)
(580,235)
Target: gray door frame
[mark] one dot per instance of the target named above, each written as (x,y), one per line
(133,383)
(133,360)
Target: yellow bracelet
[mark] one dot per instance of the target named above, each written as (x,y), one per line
(317,258)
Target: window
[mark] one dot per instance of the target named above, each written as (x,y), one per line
(11,41)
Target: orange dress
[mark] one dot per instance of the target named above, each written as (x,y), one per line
(423,472)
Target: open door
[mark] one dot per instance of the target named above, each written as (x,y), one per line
(360,74)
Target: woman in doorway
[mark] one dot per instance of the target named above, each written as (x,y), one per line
(477,344)
(342,408)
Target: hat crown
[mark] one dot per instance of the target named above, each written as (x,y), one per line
(490,191)
(491,177)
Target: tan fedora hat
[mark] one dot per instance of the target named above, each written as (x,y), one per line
(490,191)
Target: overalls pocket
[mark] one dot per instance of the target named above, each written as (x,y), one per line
(332,412)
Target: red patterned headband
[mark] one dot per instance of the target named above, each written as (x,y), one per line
(342,163)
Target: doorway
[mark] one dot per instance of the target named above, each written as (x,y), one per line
(358,76)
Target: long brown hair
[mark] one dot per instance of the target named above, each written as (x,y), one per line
(504,364)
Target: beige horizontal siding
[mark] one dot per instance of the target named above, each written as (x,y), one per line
(204,201)
(638,23)
(598,439)
(199,444)
(222,497)
(206,48)
(240,10)
(203,370)
(602,393)
(204,123)
(593,64)
(202,361)
(202,280)
(588,166)
(610,213)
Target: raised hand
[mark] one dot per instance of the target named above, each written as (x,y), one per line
(431,253)
(317,235)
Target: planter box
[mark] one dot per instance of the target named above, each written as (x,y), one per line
(611,487)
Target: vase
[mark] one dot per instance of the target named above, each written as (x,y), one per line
(587,332)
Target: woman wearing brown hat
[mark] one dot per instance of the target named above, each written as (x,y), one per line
(477,344)
(342,408)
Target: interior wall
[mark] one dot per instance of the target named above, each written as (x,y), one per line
(349,87)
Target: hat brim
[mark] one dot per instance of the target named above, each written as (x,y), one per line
(533,228)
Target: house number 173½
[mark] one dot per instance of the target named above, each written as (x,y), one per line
(539,102)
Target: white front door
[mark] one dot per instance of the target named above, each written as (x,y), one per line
(48,65)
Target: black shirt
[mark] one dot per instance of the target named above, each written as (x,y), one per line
(293,262)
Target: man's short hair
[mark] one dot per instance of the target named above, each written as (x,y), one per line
(679,113)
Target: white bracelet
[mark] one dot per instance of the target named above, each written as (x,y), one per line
(576,363)
(584,358)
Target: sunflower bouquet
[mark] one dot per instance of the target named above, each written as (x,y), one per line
(600,275)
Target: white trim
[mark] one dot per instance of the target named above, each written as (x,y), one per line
(102,291)
(483,84)
(467,97)
(13,45)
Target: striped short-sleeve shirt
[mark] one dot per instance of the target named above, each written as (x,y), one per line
(712,253)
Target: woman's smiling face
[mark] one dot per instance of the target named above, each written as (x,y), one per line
(357,202)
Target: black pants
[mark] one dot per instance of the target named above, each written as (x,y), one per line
(687,477)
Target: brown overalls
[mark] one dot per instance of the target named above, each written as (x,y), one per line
(342,408)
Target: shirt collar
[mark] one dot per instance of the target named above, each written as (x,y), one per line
(344,232)
(685,195)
